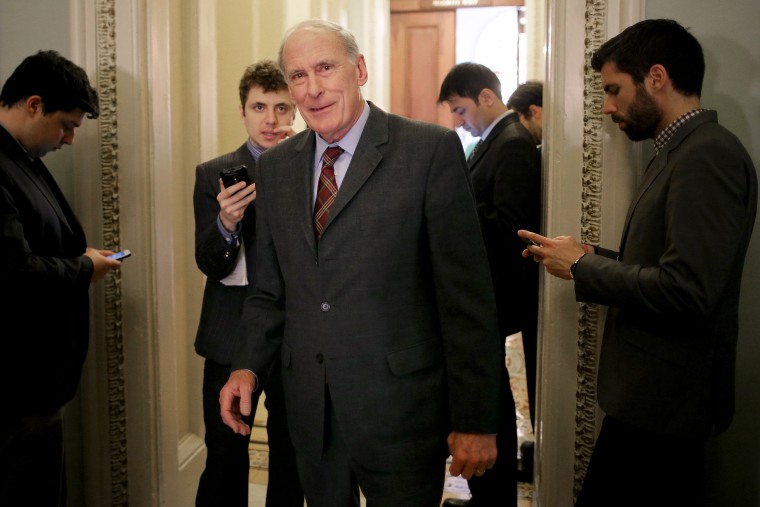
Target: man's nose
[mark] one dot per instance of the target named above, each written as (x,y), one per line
(314,86)
(68,137)
(609,106)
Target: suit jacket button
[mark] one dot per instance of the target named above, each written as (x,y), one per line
(325,306)
(320,357)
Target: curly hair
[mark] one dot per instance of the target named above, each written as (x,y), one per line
(265,75)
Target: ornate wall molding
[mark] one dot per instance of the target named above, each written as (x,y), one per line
(109,164)
(591,214)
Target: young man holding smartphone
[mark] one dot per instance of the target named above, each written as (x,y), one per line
(46,269)
(225,234)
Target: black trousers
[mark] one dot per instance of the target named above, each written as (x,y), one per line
(31,461)
(633,467)
(498,487)
(224,481)
(335,481)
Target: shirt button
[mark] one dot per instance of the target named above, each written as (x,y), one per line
(325,306)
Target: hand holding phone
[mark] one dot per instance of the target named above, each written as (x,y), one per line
(118,256)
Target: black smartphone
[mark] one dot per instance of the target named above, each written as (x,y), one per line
(120,255)
(233,175)
(530,242)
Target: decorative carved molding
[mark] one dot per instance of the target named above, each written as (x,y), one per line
(109,150)
(591,211)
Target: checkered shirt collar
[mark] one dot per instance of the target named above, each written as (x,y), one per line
(668,132)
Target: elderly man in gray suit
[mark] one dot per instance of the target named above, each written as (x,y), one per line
(374,290)
(666,372)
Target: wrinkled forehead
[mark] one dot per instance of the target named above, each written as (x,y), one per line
(310,46)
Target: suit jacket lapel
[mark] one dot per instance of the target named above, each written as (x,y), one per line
(363,162)
(301,176)
(483,148)
(38,174)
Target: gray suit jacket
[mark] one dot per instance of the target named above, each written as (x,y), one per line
(220,328)
(393,309)
(668,356)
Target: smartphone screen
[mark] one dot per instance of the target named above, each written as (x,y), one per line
(120,255)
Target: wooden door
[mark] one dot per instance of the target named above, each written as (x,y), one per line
(423,50)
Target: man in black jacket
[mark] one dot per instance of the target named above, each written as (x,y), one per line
(505,170)
(225,236)
(46,270)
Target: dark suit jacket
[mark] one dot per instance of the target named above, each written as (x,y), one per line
(506,180)
(668,357)
(219,328)
(44,283)
(393,308)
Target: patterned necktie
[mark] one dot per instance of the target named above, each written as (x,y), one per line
(474,150)
(327,189)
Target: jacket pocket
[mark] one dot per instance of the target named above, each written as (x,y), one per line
(416,357)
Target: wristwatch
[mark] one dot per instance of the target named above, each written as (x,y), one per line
(574,266)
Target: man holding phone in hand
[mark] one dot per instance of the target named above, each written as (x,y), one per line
(666,369)
(225,233)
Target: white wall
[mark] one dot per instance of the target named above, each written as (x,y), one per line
(729,37)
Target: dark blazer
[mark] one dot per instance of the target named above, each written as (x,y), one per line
(393,308)
(219,328)
(506,180)
(44,283)
(668,356)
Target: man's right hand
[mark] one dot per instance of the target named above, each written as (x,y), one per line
(235,400)
(233,201)
(101,264)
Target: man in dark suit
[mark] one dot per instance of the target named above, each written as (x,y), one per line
(46,270)
(225,238)
(372,288)
(666,372)
(506,177)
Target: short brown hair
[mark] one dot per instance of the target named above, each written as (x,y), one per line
(264,74)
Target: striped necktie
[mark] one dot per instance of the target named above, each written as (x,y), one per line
(327,189)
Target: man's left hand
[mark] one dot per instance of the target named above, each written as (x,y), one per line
(472,453)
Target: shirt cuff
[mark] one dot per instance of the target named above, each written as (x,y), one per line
(230,237)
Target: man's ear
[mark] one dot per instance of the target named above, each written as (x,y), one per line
(487,96)
(536,111)
(33,104)
(657,77)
